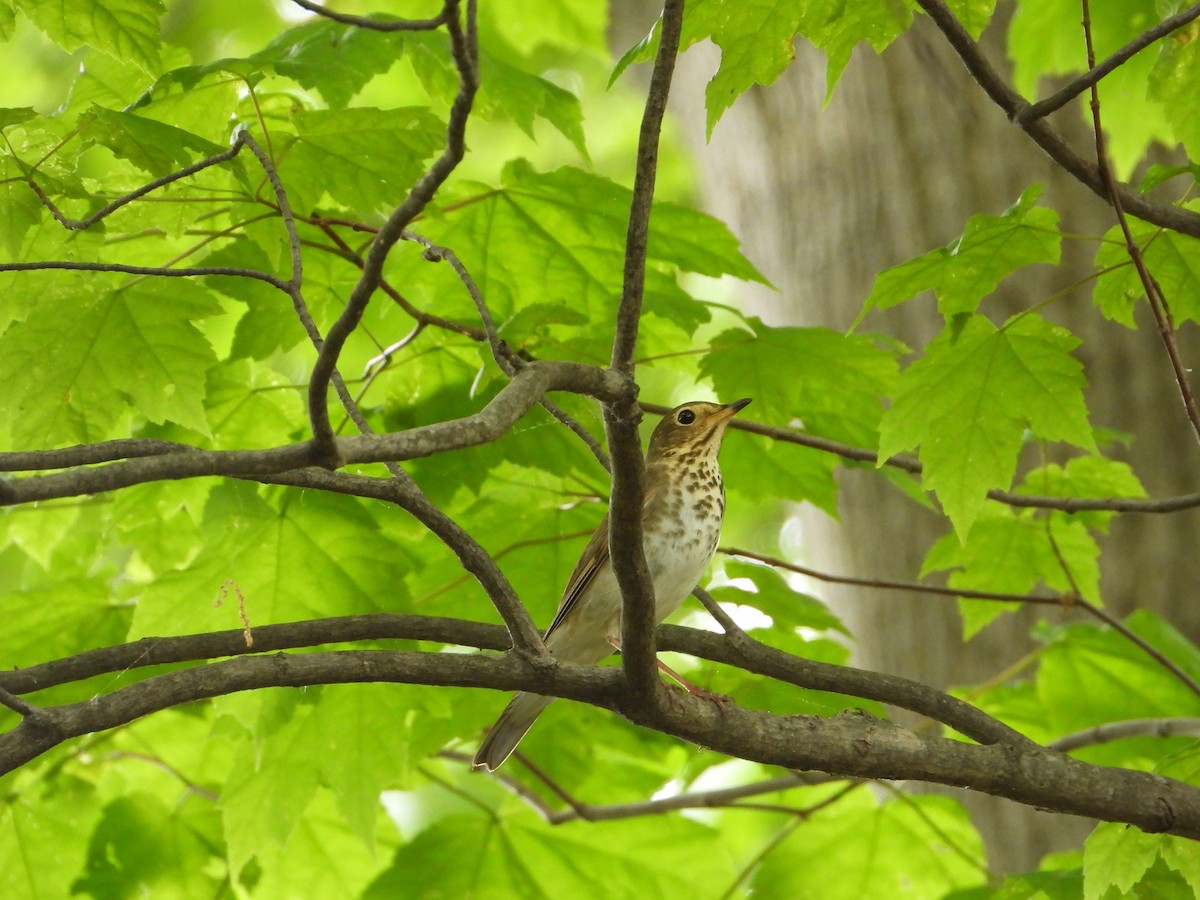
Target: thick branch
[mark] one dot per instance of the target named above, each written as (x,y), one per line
(746,654)
(851,744)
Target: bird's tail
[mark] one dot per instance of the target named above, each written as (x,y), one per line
(517,718)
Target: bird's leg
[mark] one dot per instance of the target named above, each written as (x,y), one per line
(721,701)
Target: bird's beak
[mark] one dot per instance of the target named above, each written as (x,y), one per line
(729,410)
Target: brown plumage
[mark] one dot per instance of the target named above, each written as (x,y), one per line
(681,522)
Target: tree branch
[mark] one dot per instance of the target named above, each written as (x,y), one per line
(381,24)
(497,417)
(1173,217)
(621,417)
(1092,76)
(464,53)
(852,744)
(1154,294)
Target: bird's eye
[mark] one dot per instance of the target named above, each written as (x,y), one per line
(685,417)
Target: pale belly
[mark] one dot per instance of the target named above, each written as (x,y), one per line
(676,558)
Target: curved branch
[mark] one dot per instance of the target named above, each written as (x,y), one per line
(853,744)
(1087,173)
(1077,86)
(747,654)
(381,24)
(464,52)
(497,417)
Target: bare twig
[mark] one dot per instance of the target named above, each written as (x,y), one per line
(508,361)
(157,271)
(464,53)
(913,466)
(1158,302)
(883,584)
(730,627)
(381,24)
(495,419)
(1115,731)
(1092,76)
(1002,94)
(103,212)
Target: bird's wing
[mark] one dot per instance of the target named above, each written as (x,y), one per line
(593,558)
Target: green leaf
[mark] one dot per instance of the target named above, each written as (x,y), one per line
(830,383)
(1085,476)
(298,556)
(321,858)
(366,159)
(558,238)
(918,846)
(969,400)
(142,846)
(476,856)
(16,115)
(773,596)
(270,321)
(1088,676)
(1118,856)
(333,59)
(973,14)
(20,210)
(756,40)
(1045,40)
(269,787)
(971,266)
(1176,70)
(1172,259)
(153,147)
(126,29)
(1011,553)
(44,833)
(77,363)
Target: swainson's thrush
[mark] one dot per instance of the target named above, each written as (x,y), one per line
(681,524)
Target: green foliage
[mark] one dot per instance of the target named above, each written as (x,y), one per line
(360,790)
(970,267)
(970,399)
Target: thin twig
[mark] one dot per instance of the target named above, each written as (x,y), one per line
(81,224)
(508,361)
(883,584)
(16,704)
(1129,728)
(1002,94)
(914,467)
(367,22)
(157,271)
(1113,622)
(1158,302)
(464,53)
(728,625)
(1092,76)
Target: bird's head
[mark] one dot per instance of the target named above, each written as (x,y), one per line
(693,430)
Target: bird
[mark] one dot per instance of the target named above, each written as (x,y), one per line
(683,507)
